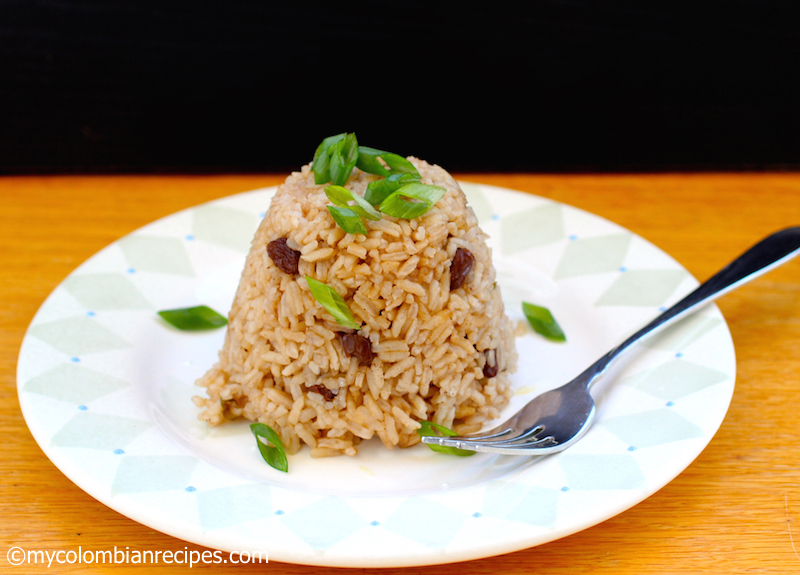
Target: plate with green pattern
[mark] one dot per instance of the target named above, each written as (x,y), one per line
(105,386)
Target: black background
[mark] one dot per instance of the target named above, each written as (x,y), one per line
(135,86)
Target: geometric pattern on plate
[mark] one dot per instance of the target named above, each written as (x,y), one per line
(106,291)
(225,506)
(99,431)
(593,255)
(324,522)
(532,228)
(223,226)
(602,471)
(683,333)
(428,515)
(78,336)
(143,473)
(522,503)
(74,383)
(157,254)
(642,287)
(675,379)
(653,427)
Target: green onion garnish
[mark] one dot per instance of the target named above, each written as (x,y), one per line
(343,158)
(434,429)
(412,200)
(339,195)
(400,194)
(330,299)
(379,190)
(335,159)
(348,220)
(193,318)
(543,322)
(348,217)
(321,163)
(336,156)
(270,446)
(342,197)
(395,164)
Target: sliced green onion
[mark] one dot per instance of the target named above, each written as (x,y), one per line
(343,157)
(399,165)
(434,429)
(395,164)
(321,163)
(366,210)
(193,318)
(412,200)
(379,190)
(368,161)
(341,196)
(543,322)
(270,446)
(348,220)
(337,156)
(330,299)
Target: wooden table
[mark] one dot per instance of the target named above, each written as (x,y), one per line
(736,509)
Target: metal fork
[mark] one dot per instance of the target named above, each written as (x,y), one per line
(558,418)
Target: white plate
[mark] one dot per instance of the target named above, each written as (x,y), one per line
(106,386)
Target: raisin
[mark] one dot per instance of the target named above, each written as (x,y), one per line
(460,268)
(328,394)
(358,346)
(284,257)
(489,370)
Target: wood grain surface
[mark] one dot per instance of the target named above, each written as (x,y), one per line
(735,509)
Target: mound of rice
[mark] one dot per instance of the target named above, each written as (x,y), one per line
(432,354)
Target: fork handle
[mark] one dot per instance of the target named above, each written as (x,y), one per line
(769,253)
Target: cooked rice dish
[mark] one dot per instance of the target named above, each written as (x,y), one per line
(435,344)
